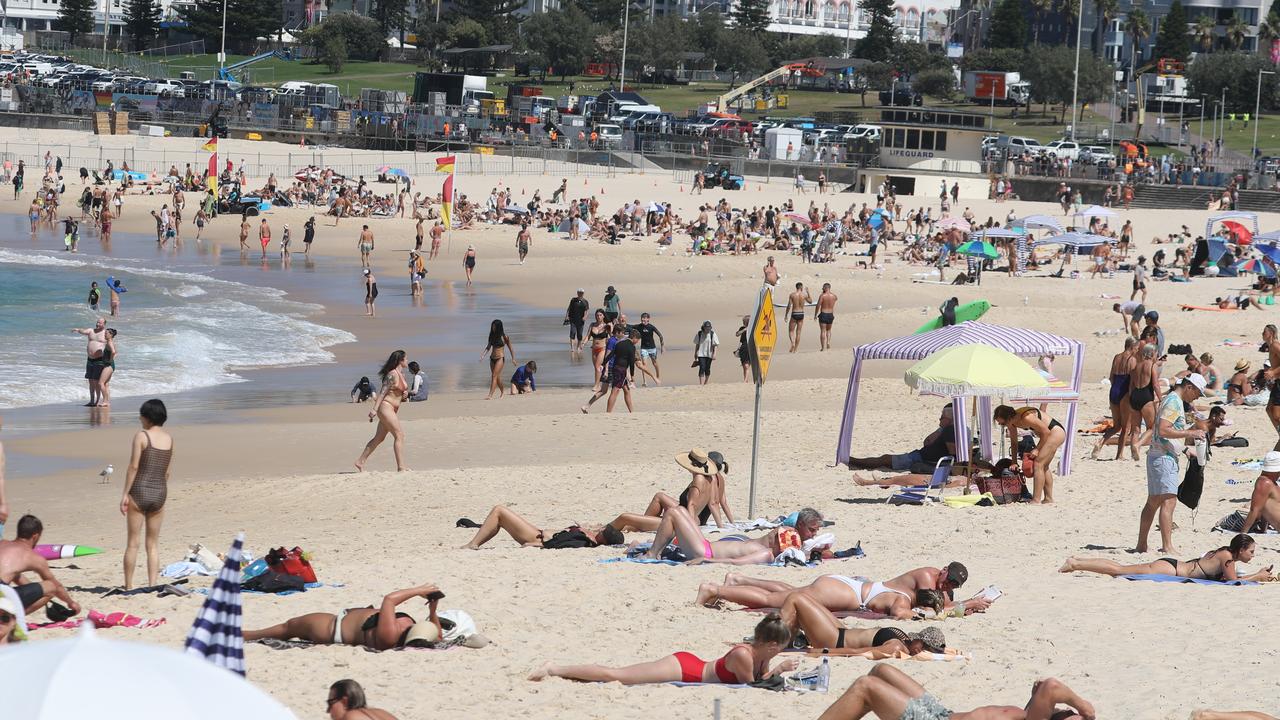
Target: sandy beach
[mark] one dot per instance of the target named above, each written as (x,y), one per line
(283,475)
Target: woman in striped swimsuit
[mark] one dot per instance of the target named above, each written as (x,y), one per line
(145,488)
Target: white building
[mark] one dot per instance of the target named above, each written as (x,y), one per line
(921,20)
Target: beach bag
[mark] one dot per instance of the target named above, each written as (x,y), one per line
(568,538)
(291,562)
(1192,485)
(274,582)
(1235,441)
(1008,488)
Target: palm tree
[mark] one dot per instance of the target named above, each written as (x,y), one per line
(1138,26)
(1237,31)
(1105,11)
(1203,30)
(1268,30)
(1041,8)
(1070,10)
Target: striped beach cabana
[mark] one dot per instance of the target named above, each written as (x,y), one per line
(1019,341)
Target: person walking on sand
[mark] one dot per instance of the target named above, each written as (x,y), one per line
(825,314)
(771,273)
(469,262)
(743,353)
(146,488)
(308,235)
(575,316)
(386,409)
(494,348)
(612,304)
(523,241)
(705,342)
(437,232)
(560,191)
(616,369)
(1140,279)
(244,234)
(365,245)
(285,238)
(1170,431)
(264,236)
(370,292)
(649,349)
(1271,343)
(795,308)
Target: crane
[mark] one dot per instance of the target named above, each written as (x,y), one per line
(225,73)
(722,104)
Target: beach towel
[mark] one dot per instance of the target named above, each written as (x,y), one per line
(1236,343)
(308,586)
(860,614)
(275,644)
(1234,523)
(1177,579)
(185,568)
(1207,308)
(948,655)
(103,620)
(742,526)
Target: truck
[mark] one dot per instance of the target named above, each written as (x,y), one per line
(458,89)
(988,87)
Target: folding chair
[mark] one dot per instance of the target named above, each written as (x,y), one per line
(920,494)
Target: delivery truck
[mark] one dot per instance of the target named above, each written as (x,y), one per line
(988,87)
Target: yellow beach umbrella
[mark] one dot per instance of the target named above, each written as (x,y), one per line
(976,370)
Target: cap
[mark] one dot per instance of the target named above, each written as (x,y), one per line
(1271,462)
(580,291)
(366,271)
(1152,315)
(1197,380)
(957,574)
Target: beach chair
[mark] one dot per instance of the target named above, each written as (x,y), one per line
(920,494)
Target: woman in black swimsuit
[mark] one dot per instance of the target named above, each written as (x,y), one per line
(704,497)
(598,333)
(1142,394)
(370,292)
(1050,436)
(379,628)
(497,356)
(1219,565)
(812,625)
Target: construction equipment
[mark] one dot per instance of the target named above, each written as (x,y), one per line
(786,71)
(224,73)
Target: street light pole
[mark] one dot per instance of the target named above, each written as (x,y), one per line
(622,71)
(222,56)
(1257,108)
(1075,82)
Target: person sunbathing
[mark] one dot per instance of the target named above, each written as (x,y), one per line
(802,614)
(1219,565)
(937,444)
(704,496)
(524,532)
(924,479)
(744,663)
(892,694)
(1230,715)
(679,524)
(381,629)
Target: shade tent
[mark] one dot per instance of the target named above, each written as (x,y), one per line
(1075,239)
(583,227)
(1252,219)
(1042,222)
(995,232)
(1272,237)
(1019,341)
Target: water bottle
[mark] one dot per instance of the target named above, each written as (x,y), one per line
(824,676)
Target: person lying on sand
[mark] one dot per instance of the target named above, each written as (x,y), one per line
(957,481)
(1217,564)
(1230,715)
(891,694)
(938,444)
(346,701)
(678,524)
(805,617)
(522,531)
(744,663)
(704,497)
(838,593)
(381,629)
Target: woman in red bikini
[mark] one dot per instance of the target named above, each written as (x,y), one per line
(744,663)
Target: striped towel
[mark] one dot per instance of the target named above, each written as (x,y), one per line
(215,634)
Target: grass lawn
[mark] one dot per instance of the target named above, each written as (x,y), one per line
(1240,139)
(356,74)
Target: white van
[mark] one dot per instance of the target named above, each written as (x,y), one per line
(294,87)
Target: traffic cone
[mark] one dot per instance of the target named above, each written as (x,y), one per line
(681,188)
(602,190)
(584,182)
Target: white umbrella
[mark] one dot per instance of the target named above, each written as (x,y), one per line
(1076,240)
(994,232)
(1096,211)
(957,223)
(582,225)
(1043,222)
(87,676)
(657,207)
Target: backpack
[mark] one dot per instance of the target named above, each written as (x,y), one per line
(568,538)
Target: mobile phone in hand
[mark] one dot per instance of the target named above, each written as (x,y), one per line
(434,596)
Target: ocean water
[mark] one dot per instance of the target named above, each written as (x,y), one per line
(178,331)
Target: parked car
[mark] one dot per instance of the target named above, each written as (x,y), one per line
(1031,145)
(172,88)
(864,131)
(1096,154)
(728,126)
(1064,149)
(902,94)
(609,133)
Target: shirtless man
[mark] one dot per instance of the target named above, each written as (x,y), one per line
(1264,504)
(19,556)
(264,236)
(365,245)
(890,693)
(771,273)
(418,233)
(679,524)
(522,242)
(825,313)
(795,309)
(244,234)
(437,231)
(97,342)
(1272,374)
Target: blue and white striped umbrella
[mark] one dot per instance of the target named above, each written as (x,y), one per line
(215,635)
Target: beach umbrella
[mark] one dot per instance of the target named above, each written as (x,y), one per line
(1043,222)
(382,170)
(517,209)
(88,676)
(1271,252)
(996,232)
(953,223)
(582,226)
(1218,248)
(215,635)
(397,172)
(1258,266)
(979,248)
(1096,211)
(797,217)
(1244,236)
(975,370)
(657,208)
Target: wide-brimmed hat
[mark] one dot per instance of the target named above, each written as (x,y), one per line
(1271,462)
(1242,365)
(932,637)
(697,461)
(425,631)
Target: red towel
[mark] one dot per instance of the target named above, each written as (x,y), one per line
(103,620)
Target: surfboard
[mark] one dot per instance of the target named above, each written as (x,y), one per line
(968,311)
(63,552)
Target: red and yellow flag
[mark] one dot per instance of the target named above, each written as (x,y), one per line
(211,177)
(212,145)
(446,204)
(445,164)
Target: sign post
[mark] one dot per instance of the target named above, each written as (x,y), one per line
(761,338)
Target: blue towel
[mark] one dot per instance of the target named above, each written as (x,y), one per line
(1177,579)
(651,561)
(308,586)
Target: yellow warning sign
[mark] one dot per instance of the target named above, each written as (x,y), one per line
(764,335)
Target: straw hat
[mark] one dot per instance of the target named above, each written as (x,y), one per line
(697,461)
(932,637)
(1242,365)
(425,631)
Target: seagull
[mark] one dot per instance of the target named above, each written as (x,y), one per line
(106,473)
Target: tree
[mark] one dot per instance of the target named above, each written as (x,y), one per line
(1001,60)
(741,53)
(467,33)
(655,45)
(75,17)
(1104,11)
(142,22)
(1138,27)
(1070,9)
(935,83)
(1041,8)
(1173,41)
(494,15)
(1237,31)
(1008,26)
(390,14)
(752,15)
(1204,32)
(361,39)
(1268,31)
(562,38)
(246,20)
(1050,71)
(882,33)
(332,52)
(706,30)
(605,12)
(910,57)
(1237,74)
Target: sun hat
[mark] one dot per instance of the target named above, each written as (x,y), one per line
(1271,462)
(1197,380)
(426,631)
(1242,365)
(932,637)
(697,461)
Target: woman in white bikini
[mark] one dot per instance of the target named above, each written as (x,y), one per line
(386,407)
(837,593)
